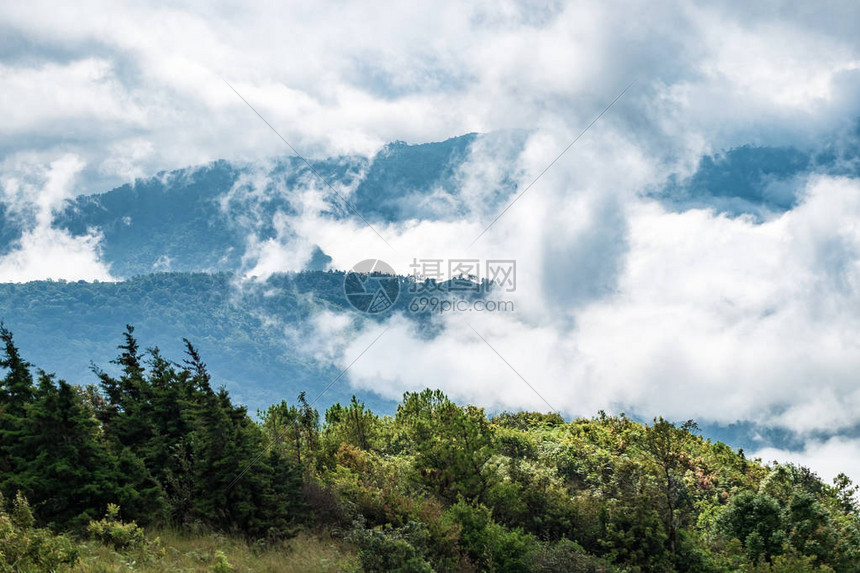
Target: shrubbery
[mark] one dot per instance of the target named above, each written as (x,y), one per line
(120,535)
(437,487)
(24,547)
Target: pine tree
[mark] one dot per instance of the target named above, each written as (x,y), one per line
(292,430)
(128,421)
(232,476)
(354,424)
(238,486)
(71,476)
(16,389)
(128,418)
(16,392)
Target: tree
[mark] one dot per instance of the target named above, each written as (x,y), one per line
(16,388)
(292,430)
(16,392)
(128,417)
(664,441)
(71,475)
(491,546)
(453,445)
(233,481)
(846,493)
(756,520)
(353,424)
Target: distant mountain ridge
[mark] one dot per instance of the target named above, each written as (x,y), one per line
(199,219)
(257,336)
(203,219)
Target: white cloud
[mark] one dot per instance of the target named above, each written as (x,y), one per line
(91,94)
(282,253)
(349,77)
(710,317)
(44,252)
(48,253)
(828,457)
(620,303)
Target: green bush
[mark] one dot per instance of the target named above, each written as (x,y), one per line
(566,556)
(756,520)
(221,564)
(120,535)
(791,562)
(490,545)
(389,549)
(26,548)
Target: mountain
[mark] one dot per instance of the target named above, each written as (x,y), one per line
(758,180)
(201,219)
(256,336)
(180,238)
(242,335)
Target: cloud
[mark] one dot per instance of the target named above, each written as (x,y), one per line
(334,80)
(48,253)
(621,304)
(42,251)
(828,457)
(285,252)
(717,318)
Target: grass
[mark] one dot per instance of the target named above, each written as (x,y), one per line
(180,553)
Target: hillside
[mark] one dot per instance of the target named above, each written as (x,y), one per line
(436,487)
(253,333)
(179,236)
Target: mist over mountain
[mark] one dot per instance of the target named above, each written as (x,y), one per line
(204,218)
(209,218)
(188,236)
(467,286)
(757,180)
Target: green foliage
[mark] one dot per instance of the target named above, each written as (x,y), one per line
(665,444)
(452,445)
(488,544)
(389,549)
(221,564)
(353,424)
(122,536)
(292,430)
(755,519)
(566,556)
(791,562)
(22,515)
(17,389)
(24,547)
(158,440)
(70,470)
(438,487)
(846,493)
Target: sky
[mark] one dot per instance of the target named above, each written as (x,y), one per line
(623,302)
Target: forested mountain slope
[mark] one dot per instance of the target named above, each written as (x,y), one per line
(254,333)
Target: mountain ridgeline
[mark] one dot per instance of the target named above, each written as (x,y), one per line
(258,334)
(200,219)
(203,219)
